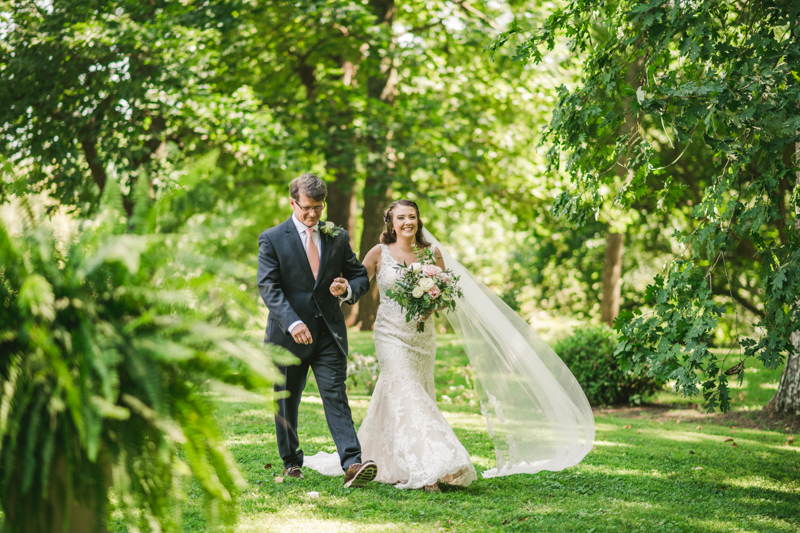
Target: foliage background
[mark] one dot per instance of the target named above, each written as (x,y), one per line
(206,110)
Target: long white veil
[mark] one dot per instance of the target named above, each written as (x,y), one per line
(536,412)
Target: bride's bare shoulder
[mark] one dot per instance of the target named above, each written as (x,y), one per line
(374,254)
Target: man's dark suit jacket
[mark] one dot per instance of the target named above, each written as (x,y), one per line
(287,285)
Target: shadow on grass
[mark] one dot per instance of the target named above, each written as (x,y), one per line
(645,481)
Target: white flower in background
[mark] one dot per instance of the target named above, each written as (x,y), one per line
(426,284)
(330,225)
(417,292)
(416,267)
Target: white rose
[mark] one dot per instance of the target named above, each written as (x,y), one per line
(330,225)
(416,267)
(426,283)
(417,292)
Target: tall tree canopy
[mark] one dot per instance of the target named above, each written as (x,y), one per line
(724,75)
(93,88)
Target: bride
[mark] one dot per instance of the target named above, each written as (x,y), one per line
(404,431)
(535,411)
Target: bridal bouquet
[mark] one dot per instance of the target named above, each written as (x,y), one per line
(422,288)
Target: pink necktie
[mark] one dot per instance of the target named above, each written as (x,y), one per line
(312,253)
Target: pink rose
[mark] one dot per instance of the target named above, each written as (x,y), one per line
(434,292)
(430,270)
(443,276)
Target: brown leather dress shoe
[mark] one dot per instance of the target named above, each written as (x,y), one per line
(293,471)
(359,474)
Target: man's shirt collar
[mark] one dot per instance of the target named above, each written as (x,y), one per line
(301,228)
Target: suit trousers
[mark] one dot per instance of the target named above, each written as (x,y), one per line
(330,370)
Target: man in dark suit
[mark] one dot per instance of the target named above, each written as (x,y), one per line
(303,273)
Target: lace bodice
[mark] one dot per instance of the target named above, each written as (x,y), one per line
(386,273)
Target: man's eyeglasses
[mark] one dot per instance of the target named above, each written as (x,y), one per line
(317,208)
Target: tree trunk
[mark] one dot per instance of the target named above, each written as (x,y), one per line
(612,277)
(340,162)
(787,398)
(93,160)
(381,87)
(615,238)
(342,203)
(377,196)
(342,211)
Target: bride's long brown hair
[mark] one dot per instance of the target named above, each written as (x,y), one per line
(389,236)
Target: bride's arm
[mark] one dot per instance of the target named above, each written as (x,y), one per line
(372,261)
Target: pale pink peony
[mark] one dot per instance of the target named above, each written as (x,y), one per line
(430,270)
(443,276)
(434,292)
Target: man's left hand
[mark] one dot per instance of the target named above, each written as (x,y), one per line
(339,286)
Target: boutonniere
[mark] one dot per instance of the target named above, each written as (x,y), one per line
(329,229)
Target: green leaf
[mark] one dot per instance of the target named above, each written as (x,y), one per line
(36,297)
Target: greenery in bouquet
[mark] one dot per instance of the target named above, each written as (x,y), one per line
(422,288)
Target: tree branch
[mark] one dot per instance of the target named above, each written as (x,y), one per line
(469,9)
(747,304)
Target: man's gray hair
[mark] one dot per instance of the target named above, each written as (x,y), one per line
(310,185)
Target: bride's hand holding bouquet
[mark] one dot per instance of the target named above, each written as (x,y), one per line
(423,289)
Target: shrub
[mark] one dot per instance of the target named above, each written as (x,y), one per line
(362,373)
(589,354)
(107,355)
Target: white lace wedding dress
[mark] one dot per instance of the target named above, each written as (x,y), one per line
(404,431)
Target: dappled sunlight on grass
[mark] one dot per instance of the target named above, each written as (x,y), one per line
(762,483)
(280,524)
(600,429)
(300,517)
(310,398)
(246,440)
(465,420)
(259,414)
(647,473)
(617,471)
(323,440)
(784,448)
(482,463)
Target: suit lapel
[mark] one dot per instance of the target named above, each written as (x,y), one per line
(326,244)
(297,245)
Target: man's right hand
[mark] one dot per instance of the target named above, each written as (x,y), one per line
(301,334)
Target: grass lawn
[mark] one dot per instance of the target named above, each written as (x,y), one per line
(660,467)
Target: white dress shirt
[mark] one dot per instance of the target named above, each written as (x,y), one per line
(301,229)
(316,238)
